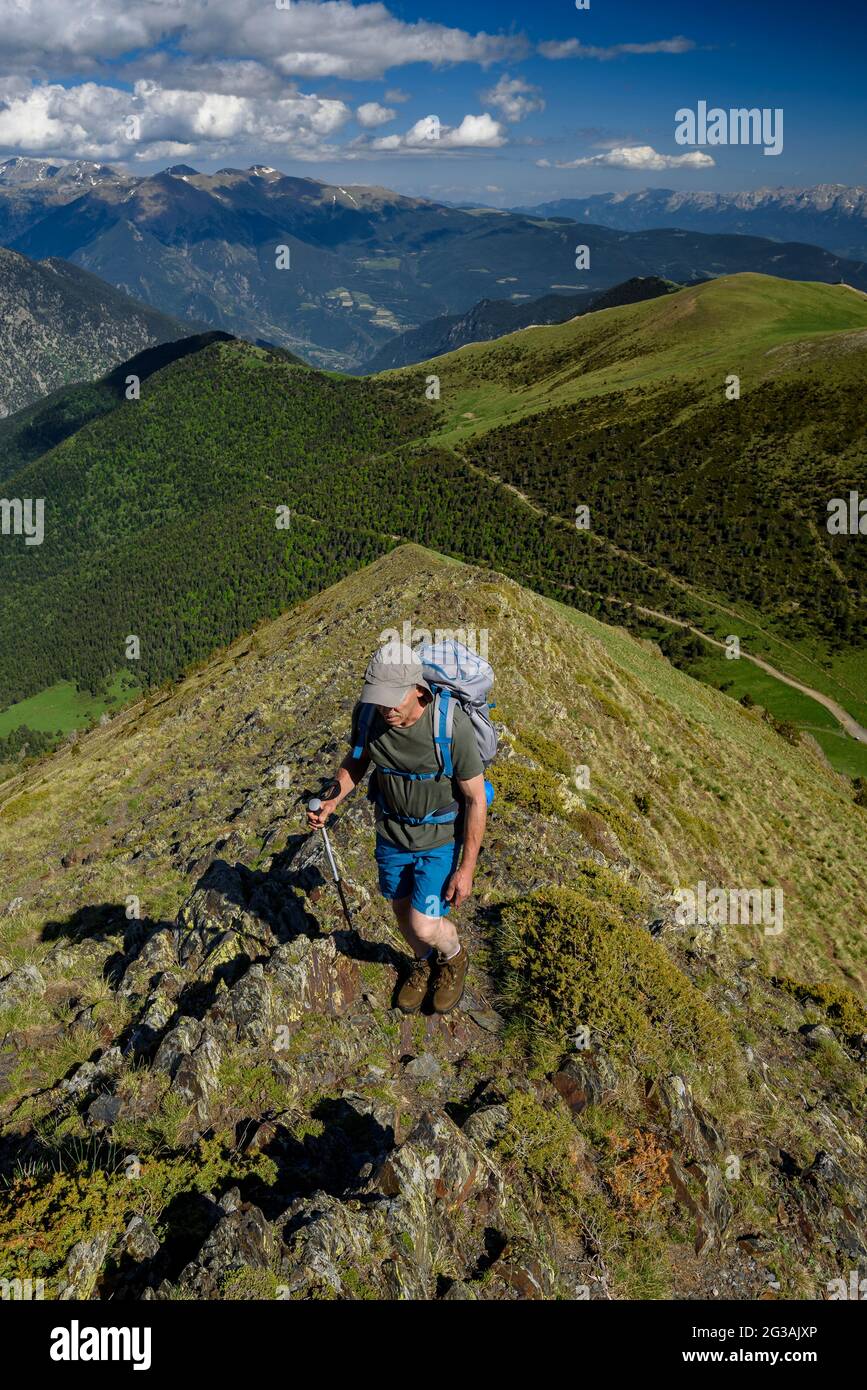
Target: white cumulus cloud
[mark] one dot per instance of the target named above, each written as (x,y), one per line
(514,97)
(93,121)
(305,39)
(371,114)
(430,136)
(635,157)
(215,76)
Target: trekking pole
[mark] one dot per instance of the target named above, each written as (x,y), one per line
(316,805)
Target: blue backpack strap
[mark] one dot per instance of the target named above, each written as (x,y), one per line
(365,716)
(443,722)
(408,776)
(433,818)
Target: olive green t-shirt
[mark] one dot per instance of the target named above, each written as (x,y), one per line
(411,749)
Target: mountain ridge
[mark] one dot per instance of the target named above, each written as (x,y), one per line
(493,318)
(829,215)
(237,1040)
(34,430)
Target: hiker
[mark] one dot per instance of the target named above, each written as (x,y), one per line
(430,815)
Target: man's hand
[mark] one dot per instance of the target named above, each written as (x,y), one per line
(316,819)
(459,886)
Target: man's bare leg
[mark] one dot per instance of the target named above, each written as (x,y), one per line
(421,932)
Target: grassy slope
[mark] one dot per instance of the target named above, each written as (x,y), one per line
(699,334)
(741,678)
(63,707)
(752,325)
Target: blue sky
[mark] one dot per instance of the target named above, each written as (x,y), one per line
(531,102)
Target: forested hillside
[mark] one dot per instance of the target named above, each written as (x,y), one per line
(161,519)
(242,481)
(752,477)
(39,427)
(710,426)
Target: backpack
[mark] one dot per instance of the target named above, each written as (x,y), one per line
(454,674)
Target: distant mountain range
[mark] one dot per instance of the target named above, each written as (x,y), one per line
(60,324)
(360,264)
(74,174)
(830,215)
(31,187)
(491,318)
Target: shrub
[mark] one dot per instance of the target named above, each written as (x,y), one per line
(533,789)
(544,750)
(784,727)
(640,1174)
(47,1210)
(566,961)
(841,1006)
(542,1143)
(597,881)
(21,806)
(246,1283)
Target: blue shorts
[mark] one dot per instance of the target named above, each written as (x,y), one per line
(420,875)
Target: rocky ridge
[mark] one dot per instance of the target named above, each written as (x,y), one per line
(219,1101)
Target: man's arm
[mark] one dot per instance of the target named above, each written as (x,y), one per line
(348,776)
(460,885)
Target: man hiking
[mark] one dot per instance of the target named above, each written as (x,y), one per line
(429,826)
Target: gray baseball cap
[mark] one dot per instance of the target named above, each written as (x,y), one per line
(391,674)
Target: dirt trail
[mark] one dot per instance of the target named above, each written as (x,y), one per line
(842,716)
(846,721)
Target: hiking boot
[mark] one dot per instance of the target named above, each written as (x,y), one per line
(411,994)
(448,981)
